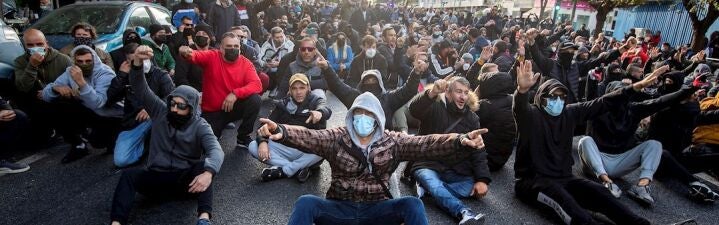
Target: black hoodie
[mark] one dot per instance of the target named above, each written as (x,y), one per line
(614,131)
(545,141)
(118,55)
(495,114)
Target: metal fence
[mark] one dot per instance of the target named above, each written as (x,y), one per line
(669,18)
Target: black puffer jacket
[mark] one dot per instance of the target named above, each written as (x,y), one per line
(284,114)
(437,115)
(159,82)
(495,113)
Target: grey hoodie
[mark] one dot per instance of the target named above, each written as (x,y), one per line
(376,74)
(94,94)
(369,102)
(177,149)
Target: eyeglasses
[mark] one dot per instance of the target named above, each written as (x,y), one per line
(180,106)
(307,49)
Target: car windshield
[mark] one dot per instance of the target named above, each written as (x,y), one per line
(104,18)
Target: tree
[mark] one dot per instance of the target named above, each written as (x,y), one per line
(709,9)
(604,7)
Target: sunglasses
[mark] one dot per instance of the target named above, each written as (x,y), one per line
(307,49)
(180,106)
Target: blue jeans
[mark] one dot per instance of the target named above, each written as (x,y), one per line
(290,159)
(446,188)
(310,209)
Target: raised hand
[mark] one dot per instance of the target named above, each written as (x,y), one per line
(526,78)
(314,118)
(651,79)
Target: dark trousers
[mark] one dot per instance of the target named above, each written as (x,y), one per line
(14,134)
(163,185)
(669,166)
(244,109)
(73,119)
(571,198)
(310,209)
(41,114)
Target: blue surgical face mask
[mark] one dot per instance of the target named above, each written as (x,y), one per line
(363,124)
(554,106)
(39,50)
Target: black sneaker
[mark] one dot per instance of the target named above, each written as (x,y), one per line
(303,175)
(702,193)
(470,218)
(75,153)
(231,126)
(9,167)
(243,141)
(272,173)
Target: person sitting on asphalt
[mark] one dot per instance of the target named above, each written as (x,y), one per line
(543,165)
(79,100)
(118,55)
(172,169)
(368,59)
(136,121)
(14,136)
(39,66)
(300,108)
(611,150)
(190,74)
(363,155)
(371,81)
(85,34)
(305,63)
(340,55)
(272,51)
(230,87)
(157,40)
(449,108)
(495,90)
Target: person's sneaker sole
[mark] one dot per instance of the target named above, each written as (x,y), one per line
(641,200)
(478,220)
(11,171)
(304,175)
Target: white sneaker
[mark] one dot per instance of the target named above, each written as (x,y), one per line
(420,190)
(469,218)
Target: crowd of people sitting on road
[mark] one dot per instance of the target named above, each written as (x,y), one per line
(454,94)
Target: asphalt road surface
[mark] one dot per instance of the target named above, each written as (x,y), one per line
(81,193)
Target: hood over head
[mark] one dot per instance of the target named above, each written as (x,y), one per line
(369,102)
(374,73)
(547,88)
(191,96)
(98,66)
(702,68)
(492,85)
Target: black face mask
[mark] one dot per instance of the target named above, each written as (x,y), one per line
(565,59)
(176,120)
(202,41)
(340,42)
(83,41)
(160,39)
(86,69)
(371,88)
(231,54)
(131,40)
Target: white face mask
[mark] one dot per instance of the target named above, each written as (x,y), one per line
(188,1)
(466,66)
(146,65)
(371,52)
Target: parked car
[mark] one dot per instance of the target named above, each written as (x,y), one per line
(110,19)
(11,49)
